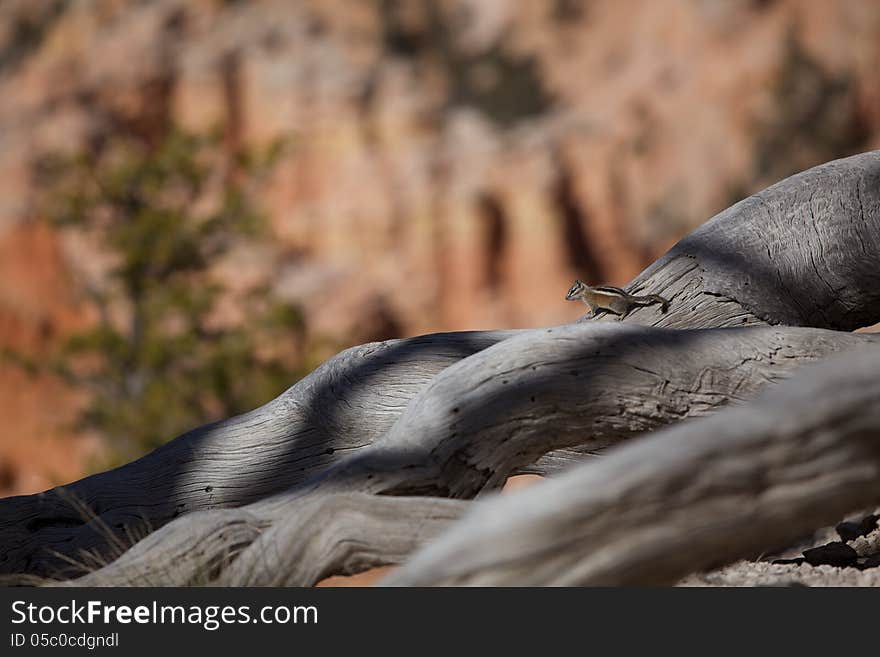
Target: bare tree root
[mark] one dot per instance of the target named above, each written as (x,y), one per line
(339,408)
(453,414)
(483,418)
(690,497)
(311,538)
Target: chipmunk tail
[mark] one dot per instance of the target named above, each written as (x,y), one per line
(664,304)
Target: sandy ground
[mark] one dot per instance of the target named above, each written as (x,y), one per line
(762,572)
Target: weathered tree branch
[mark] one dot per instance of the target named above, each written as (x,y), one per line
(689,497)
(343,405)
(802,252)
(484,417)
(317,536)
(590,385)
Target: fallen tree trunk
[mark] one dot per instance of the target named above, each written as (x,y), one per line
(582,385)
(486,416)
(802,252)
(690,497)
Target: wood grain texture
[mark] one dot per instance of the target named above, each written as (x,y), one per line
(587,385)
(340,407)
(801,253)
(316,536)
(484,417)
(689,497)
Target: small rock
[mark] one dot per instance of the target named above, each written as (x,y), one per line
(849,530)
(831,554)
(871,561)
(797,561)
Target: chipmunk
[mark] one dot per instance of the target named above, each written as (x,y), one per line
(611,299)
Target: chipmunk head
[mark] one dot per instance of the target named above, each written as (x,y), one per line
(574,292)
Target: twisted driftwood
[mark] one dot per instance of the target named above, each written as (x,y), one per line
(686,498)
(453,414)
(315,537)
(608,383)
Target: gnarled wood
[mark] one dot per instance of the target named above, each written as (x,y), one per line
(318,536)
(588,385)
(821,229)
(802,252)
(689,497)
(340,407)
(488,415)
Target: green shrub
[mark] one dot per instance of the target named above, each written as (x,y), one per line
(159,360)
